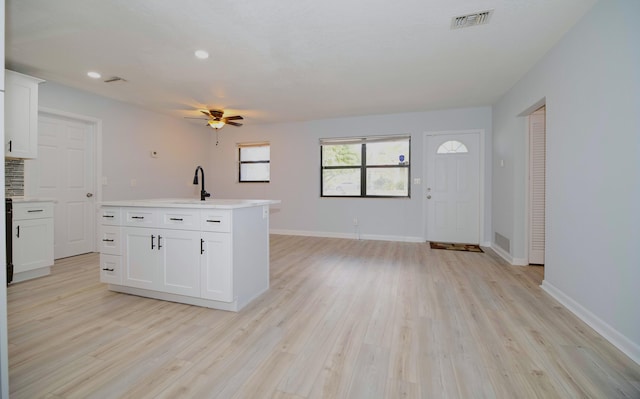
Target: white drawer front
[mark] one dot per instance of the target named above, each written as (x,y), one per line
(142,217)
(182,219)
(110,216)
(111,240)
(110,269)
(215,220)
(32,210)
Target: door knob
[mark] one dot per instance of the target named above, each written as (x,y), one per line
(89,195)
(428,197)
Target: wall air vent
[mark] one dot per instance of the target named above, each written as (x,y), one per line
(465,21)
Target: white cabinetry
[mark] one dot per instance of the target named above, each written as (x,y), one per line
(215,267)
(162,260)
(21,115)
(207,257)
(32,239)
(110,246)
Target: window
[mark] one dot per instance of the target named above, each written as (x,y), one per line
(452,147)
(365,167)
(254,162)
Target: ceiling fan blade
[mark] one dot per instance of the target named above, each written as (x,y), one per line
(193,117)
(207,113)
(233,118)
(234,123)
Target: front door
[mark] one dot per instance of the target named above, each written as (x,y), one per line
(64,171)
(453,188)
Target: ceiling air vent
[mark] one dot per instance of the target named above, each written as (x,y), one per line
(114,79)
(465,21)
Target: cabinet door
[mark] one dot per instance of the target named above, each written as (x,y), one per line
(180,262)
(141,258)
(32,244)
(215,267)
(21,115)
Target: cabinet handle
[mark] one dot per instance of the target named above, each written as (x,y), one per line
(107,269)
(10,142)
(159,245)
(107,240)
(18,233)
(201,246)
(107,216)
(137,217)
(152,244)
(213,221)
(176,219)
(35,210)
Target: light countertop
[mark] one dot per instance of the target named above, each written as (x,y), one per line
(192,203)
(32,199)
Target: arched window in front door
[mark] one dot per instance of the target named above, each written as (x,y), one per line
(452,147)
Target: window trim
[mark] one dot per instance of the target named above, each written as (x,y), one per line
(240,146)
(362,167)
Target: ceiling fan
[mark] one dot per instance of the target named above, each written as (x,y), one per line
(216,120)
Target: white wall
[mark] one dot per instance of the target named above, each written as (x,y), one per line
(129,133)
(591,86)
(295,173)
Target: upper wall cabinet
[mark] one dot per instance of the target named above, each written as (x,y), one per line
(21,115)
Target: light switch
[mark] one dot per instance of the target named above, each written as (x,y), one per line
(417,180)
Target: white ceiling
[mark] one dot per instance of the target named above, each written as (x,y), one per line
(286,60)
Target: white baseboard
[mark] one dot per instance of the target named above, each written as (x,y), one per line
(506,256)
(612,335)
(352,236)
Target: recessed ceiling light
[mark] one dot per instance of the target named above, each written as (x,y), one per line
(203,55)
(94,75)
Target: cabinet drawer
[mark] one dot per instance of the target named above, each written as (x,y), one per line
(111,240)
(141,217)
(182,219)
(110,269)
(110,216)
(32,210)
(215,220)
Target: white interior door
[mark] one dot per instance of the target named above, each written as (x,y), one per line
(64,171)
(453,188)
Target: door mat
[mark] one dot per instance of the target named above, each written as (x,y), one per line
(456,247)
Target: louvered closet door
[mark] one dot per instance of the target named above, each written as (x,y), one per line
(537,161)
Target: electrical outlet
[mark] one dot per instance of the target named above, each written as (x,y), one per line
(355,221)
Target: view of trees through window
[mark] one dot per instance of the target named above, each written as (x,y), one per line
(368,168)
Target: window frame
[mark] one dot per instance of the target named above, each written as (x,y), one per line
(363,167)
(241,162)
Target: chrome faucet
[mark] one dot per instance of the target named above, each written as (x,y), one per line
(203,192)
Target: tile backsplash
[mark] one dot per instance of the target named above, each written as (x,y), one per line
(14,177)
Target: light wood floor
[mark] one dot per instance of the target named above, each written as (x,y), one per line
(343,319)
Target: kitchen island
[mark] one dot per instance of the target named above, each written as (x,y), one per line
(212,253)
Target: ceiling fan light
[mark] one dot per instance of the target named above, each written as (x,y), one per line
(202,54)
(216,124)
